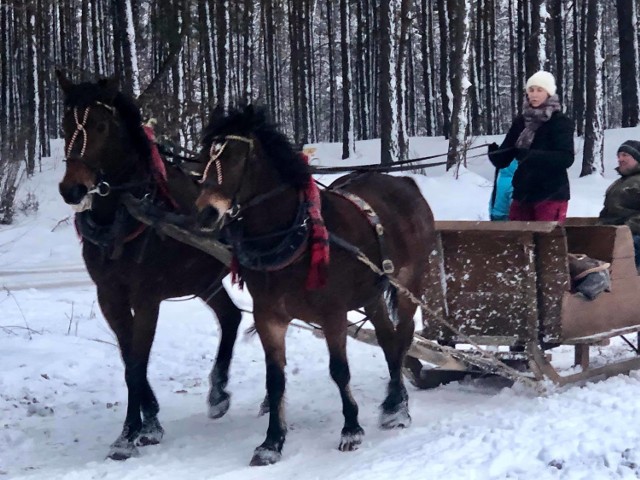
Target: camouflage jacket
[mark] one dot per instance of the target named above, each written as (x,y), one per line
(622,202)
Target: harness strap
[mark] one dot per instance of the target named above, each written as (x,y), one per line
(373,219)
(282,254)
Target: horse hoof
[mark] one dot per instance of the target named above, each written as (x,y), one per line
(219,406)
(350,441)
(263,456)
(399,419)
(151,433)
(122,449)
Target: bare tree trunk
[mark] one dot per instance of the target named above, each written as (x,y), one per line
(594,130)
(348,141)
(403,40)
(628,54)
(388,102)
(459,13)
(444,67)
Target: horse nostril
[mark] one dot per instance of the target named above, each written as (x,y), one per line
(207,217)
(73,195)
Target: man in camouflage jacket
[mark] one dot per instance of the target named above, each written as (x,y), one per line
(622,200)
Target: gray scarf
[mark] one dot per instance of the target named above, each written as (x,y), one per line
(534,117)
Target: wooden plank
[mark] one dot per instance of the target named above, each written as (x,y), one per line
(619,308)
(484,226)
(434,297)
(418,349)
(207,244)
(490,285)
(623,246)
(581,356)
(594,241)
(623,267)
(606,371)
(580,221)
(602,338)
(552,282)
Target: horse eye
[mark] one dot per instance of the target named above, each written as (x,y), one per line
(217,147)
(101,127)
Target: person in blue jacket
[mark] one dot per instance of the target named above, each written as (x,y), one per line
(500,200)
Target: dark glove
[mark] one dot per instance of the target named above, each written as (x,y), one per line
(520,154)
(493,147)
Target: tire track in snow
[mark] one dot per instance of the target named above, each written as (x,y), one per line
(45,278)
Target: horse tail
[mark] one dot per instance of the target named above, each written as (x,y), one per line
(390,297)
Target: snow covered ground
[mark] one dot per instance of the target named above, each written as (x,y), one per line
(63,398)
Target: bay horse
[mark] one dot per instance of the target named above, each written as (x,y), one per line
(253,191)
(107,154)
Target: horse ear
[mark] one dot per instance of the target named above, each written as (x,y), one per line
(64,82)
(217,113)
(109,86)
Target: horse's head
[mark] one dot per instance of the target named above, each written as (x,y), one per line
(227,149)
(96,138)
(227,160)
(245,156)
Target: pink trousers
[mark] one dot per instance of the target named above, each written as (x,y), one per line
(545,211)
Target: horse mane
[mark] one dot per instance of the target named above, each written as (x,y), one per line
(253,120)
(86,94)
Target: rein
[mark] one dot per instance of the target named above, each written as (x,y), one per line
(401,166)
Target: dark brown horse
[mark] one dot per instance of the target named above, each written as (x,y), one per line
(134,269)
(252,190)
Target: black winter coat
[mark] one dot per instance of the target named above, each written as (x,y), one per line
(542,169)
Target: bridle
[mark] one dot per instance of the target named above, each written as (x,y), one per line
(248,251)
(101,188)
(216,150)
(80,128)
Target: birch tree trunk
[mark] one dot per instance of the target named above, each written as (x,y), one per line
(459,12)
(348,140)
(389,149)
(628,58)
(594,130)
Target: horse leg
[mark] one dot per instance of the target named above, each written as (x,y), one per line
(336,336)
(151,432)
(135,336)
(272,330)
(395,342)
(229,317)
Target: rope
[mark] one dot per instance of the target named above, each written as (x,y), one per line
(396,166)
(79,128)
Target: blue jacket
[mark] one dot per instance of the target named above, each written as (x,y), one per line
(502,191)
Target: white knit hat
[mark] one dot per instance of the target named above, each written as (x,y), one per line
(543,79)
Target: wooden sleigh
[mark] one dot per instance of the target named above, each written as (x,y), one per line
(505,287)
(507,284)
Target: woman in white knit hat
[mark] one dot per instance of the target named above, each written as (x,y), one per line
(541,140)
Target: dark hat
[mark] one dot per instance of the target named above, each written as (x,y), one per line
(632,147)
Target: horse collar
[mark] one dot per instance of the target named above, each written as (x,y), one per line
(109,238)
(283,254)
